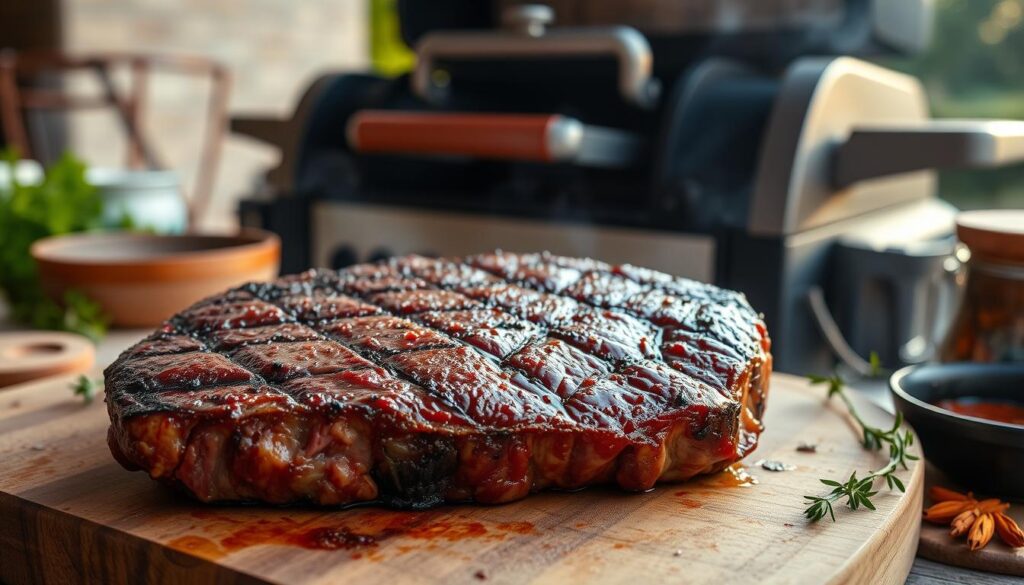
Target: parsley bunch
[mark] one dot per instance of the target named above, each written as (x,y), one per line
(62,203)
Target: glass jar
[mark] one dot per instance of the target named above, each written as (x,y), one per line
(989,326)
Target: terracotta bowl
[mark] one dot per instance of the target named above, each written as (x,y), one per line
(142,279)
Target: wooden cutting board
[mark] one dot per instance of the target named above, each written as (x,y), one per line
(32,355)
(69,513)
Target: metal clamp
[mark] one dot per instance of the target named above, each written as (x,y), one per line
(912,351)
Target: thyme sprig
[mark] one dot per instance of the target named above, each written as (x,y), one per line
(859,491)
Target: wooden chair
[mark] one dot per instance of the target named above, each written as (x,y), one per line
(17,98)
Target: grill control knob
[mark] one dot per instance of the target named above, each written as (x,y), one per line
(379,254)
(529,19)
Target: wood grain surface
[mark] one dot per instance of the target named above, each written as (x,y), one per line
(69,513)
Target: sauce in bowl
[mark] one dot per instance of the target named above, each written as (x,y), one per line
(1004,412)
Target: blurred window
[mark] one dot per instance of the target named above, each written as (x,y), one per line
(975,69)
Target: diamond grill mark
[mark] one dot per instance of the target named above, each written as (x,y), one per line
(535,326)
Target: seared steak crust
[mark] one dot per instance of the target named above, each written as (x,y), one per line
(418,381)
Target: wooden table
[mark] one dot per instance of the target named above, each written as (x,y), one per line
(923,571)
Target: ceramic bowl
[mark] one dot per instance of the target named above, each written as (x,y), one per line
(151,198)
(142,279)
(980,454)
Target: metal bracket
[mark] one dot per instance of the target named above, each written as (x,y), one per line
(526,36)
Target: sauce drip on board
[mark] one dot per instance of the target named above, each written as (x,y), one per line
(224,534)
(733,476)
(999,411)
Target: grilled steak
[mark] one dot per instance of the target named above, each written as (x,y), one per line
(418,381)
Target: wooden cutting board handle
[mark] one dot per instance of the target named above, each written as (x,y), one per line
(30,355)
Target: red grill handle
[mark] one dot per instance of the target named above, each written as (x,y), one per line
(530,137)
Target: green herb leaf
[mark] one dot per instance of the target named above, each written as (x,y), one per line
(897,481)
(85,387)
(63,202)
